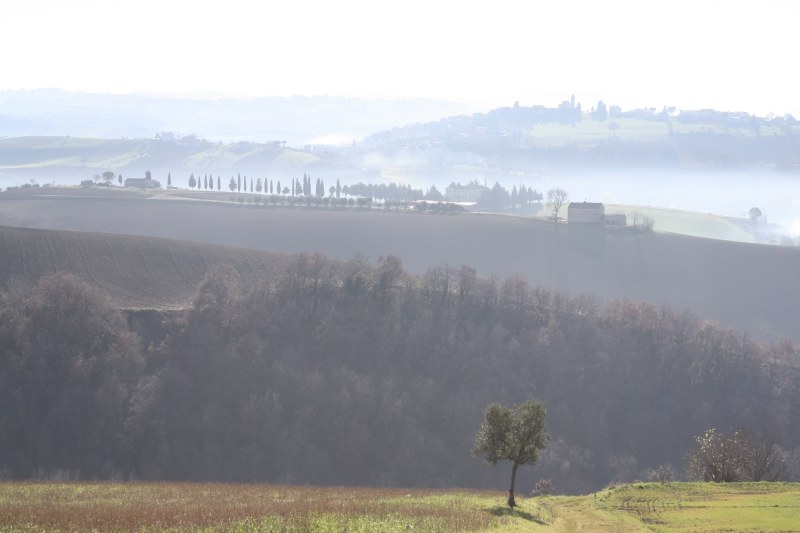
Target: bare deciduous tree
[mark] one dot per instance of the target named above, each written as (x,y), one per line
(556,198)
(742,456)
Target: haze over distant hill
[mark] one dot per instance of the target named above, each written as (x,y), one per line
(297,120)
(697,160)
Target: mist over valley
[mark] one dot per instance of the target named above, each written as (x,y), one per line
(705,161)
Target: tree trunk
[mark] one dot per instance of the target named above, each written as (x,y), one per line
(511,502)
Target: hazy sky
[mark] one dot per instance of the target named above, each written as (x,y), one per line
(732,55)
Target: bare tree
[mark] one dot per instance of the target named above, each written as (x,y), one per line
(765,460)
(741,456)
(643,222)
(663,474)
(556,198)
(755,214)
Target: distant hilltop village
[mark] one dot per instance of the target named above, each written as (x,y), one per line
(523,138)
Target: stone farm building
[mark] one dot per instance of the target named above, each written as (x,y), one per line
(592,213)
(470,193)
(142,183)
(586,213)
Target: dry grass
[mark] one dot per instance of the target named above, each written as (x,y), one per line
(195,507)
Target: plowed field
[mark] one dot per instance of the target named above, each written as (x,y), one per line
(135,272)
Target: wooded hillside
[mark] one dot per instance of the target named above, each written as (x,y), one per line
(352,373)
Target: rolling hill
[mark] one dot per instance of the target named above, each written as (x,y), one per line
(296,119)
(747,286)
(67,160)
(134,272)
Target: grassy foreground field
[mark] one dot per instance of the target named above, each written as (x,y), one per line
(28,507)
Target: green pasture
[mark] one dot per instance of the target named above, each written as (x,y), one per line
(690,223)
(119,160)
(217,154)
(295,158)
(707,506)
(43,152)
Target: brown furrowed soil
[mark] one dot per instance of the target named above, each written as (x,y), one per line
(134,272)
(751,287)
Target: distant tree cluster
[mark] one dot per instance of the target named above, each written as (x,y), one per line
(354,373)
(239,184)
(498,199)
(392,192)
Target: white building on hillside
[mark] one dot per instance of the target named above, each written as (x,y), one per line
(586,213)
(455,192)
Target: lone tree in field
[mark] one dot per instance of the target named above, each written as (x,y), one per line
(556,198)
(514,435)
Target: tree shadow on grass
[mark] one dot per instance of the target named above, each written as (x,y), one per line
(502,510)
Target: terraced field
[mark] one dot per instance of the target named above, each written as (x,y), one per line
(135,272)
